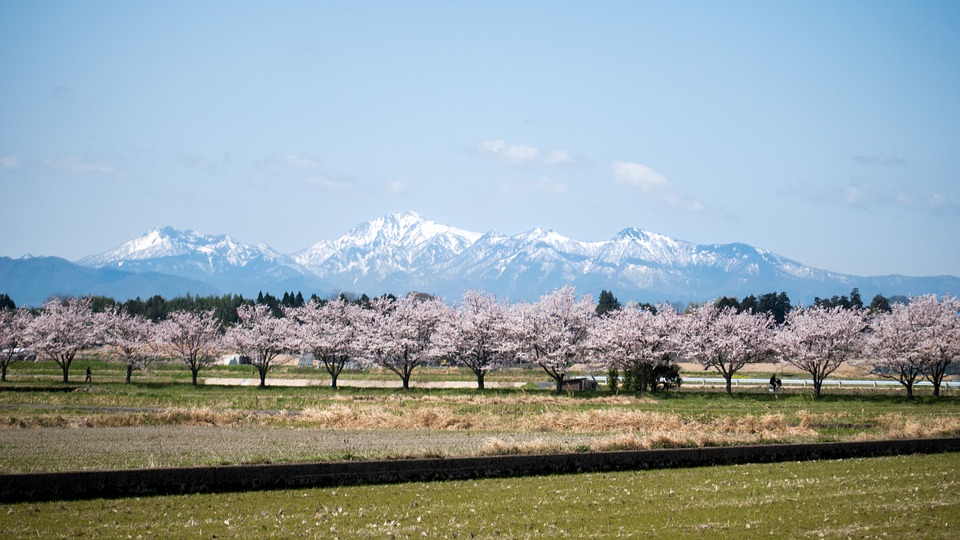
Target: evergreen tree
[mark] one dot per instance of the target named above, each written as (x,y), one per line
(880,304)
(7,303)
(726,301)
(777,305)
(855,301)
(608,302)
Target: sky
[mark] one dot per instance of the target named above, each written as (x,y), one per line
(826,132)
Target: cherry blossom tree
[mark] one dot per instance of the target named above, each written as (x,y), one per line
(62,329)
(261,337)
(473,334)
(818,340)
(939,321)
(398,334)
(637,340)
(894,346)
(13,335)
(193,337)
(553,333)
(725,340)
(917,339)
(133,336)
(331,332)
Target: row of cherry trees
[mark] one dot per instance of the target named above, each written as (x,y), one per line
(917,340)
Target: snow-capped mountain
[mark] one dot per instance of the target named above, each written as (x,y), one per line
(218,259)
(404,252)
(212,254)
(384,249)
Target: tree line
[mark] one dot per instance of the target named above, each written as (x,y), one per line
(907,342)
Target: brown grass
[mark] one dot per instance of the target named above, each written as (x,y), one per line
(898,426)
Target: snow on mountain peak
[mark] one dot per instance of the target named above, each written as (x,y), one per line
(394,242)
(166,242)
(404,251)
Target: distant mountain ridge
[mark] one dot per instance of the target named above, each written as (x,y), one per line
(402,252)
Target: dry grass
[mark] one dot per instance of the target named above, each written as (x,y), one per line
(898,426)
(176,416)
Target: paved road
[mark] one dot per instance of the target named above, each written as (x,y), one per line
(357,383)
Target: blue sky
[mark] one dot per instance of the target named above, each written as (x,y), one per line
(827,132)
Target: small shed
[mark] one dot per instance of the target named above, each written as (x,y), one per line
(579,383)
(306,360)
(235,360)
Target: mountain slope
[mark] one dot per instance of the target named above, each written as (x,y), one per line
(32,281)
(385,250)
(218,259)
(398,253)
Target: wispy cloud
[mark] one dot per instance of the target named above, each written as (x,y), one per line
(287,164)
(194,161)
(868,196)
(522,154)
(397,187)
(881,159)
(329,184)
(544,184)
(653,184)
(66,165)
(303,169)
(76,165)
(641,176)
(10,162)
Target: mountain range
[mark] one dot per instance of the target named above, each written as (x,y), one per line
(406,252)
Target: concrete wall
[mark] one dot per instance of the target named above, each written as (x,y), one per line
(139,482)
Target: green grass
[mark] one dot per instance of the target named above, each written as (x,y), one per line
(84,425)
(894,497)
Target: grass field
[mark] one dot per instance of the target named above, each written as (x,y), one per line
(163,421)
(892,497)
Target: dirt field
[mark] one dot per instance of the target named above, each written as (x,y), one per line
(56,449)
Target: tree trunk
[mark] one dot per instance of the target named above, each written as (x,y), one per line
(129,372)
(3,378)
(729,379)
(406,381)
(559,384)
(480,380)
(816,388)
(333,379)
(263,376)
(66,373)
(193,372)
(936,388)
(909,386)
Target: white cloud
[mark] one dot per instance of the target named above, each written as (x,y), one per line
(522,154)
(287,164)
(653,184)
(641,176)
(10,162)
(881,158)
(397,187)
(517,154)
(544,184)
(868,195)
(558,157)
(81,166)
(329,184)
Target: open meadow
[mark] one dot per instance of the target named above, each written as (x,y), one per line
(161,420)
(889,497)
